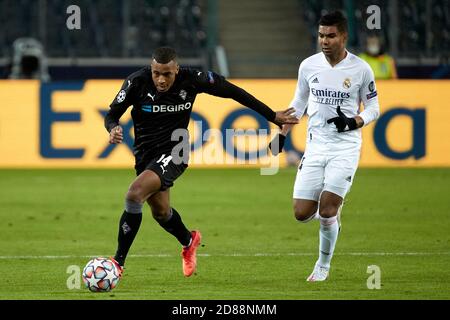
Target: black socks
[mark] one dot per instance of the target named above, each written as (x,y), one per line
(174,225)
(128,228)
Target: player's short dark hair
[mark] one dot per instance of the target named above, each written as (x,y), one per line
(164,55)
(335,18)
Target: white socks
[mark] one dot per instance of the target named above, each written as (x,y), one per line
(328,234)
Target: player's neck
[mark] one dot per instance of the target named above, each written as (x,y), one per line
(333,61)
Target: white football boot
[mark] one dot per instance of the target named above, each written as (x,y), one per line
(319,273)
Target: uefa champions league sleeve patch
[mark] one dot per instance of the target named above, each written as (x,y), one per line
(373,92)
(121,96)
(372,95)
(210,77)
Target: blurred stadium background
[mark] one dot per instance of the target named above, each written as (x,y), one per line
(56,85)
(257,43)
(242,39)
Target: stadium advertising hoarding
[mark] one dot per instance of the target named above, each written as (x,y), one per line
(61,125)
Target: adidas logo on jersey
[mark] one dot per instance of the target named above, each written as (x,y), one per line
(315,80)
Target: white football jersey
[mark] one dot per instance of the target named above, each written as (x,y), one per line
(321,88)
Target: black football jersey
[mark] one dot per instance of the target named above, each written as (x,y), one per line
(156,115)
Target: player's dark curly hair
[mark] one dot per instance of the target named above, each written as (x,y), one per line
(335,18)
(164,55)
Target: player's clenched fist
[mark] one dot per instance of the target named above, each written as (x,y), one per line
(116,135)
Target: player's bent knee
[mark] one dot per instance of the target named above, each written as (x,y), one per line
(133,206)
(137,193)
(302,216)
(328,211)
(304,213)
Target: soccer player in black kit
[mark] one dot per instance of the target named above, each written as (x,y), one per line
(162,96)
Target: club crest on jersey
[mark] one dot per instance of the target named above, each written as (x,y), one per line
(347,83)
(183,94)
(121,96)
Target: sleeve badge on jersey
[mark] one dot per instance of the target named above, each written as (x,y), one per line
(372,95)
(372,86)
(210,77)
(121,96)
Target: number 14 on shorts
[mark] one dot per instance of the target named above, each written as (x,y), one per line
(165,160)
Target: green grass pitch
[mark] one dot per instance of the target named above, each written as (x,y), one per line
(396,219)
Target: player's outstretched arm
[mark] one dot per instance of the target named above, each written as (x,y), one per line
(246,99)
(214,84)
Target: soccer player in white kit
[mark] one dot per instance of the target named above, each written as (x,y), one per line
(331,85)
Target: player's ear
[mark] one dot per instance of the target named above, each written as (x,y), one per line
(345,35)
(178,68)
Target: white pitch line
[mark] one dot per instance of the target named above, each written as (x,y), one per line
(50,257)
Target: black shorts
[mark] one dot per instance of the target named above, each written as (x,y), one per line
(163,166)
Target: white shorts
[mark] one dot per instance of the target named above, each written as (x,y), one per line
(319,172)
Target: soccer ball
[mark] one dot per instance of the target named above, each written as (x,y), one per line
(100,275)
